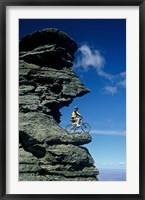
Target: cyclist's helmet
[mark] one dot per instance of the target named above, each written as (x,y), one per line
(76,108)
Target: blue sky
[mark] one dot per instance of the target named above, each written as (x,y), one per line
(100,63)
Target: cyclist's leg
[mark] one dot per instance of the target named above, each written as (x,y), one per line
(78,122)
(73,123)
(73,126)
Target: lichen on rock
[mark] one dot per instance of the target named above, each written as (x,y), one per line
(46,84)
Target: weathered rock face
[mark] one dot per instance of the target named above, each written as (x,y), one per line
(46,84)
(49,47)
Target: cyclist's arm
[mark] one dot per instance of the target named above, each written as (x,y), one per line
(79,114)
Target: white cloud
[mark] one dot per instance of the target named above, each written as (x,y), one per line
(122,74)
(92,58)
(121,79)
(122,163)
(113,164)
(110,89)
(108,76)
(109,132)
(122,83)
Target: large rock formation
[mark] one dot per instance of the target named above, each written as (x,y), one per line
(46,84)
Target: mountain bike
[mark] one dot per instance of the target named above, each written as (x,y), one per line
(73,128)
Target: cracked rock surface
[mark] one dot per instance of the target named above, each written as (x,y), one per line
(46,84)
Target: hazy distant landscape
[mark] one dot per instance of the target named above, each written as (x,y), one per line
(112,175)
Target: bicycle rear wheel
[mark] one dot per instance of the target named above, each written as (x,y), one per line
(69,129)
(86,127)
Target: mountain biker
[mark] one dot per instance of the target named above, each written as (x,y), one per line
(76,116)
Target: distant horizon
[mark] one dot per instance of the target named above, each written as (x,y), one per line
(112,175)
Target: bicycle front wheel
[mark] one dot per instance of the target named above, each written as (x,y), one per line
(69,128)
(86,127)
